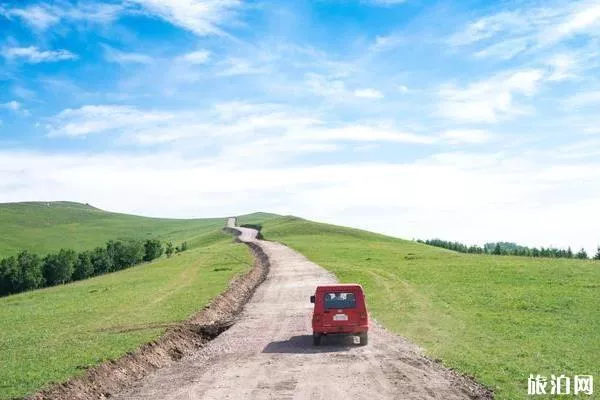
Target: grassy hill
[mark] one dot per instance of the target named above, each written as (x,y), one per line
(51,334)
(46,227)
(497,318)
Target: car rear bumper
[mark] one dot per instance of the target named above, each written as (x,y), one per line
(341,330)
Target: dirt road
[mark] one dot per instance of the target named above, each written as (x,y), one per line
(268,353)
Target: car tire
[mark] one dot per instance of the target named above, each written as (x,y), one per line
(364,339)
(316,339)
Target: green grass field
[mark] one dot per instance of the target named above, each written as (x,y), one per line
(51,334)
(46,227)
(497,318)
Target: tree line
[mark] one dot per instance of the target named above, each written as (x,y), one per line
(28,271)
(511,249)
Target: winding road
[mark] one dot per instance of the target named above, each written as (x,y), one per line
(268,352)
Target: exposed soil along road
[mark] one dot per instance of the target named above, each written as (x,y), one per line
(268,353)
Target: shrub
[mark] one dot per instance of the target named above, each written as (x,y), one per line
(29,272)
(152,249)
(83,266)
(58,268)
(101,261)
(169,250)
(8,275)
(582,254)
(125,254)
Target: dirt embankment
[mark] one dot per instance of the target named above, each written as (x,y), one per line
(184,339)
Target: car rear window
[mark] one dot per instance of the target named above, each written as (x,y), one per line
(340,300)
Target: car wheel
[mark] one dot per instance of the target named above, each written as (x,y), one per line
(316,339)
(364,339)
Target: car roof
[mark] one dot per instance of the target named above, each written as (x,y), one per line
(339,286)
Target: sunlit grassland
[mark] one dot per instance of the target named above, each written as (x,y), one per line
(497,318)
(51,334)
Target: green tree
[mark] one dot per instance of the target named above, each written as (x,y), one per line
(169,250)
(582,254)
(8,275)
(29,272)
(497,249)
(83,266)
(125,254)
(58,268)
(597,256)
(133,253)
(152,249)
(115,251)
(184,246)
(101,261)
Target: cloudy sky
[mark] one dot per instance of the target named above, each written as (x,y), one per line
(473,120)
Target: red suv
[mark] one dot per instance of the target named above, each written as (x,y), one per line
(340,310)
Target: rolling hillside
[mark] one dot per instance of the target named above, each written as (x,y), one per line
(51,334)
(45,227)
(498,318)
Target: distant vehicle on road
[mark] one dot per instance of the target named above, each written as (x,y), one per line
(340,310)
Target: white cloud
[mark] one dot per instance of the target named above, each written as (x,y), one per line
(43,16)
(581,17)
(466,136)
(11,105)
(563,66)
(336,88)
(509,195)
(368,93)
(93,119)
(37,16)
(34,55)
(228,126)
(15,107)
(202,17)
(196,57)
(506,34)
(388,42)
(503,50)
(489,100)
(363,133)
(234,66)
(121,57)
(325,86)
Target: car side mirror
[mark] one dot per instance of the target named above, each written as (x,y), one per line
(312,299)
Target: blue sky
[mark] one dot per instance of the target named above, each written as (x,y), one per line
(474,121)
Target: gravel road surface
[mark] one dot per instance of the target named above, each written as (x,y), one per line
(268,353)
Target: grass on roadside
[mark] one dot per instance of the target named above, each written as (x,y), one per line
(51,334)
(497,318)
